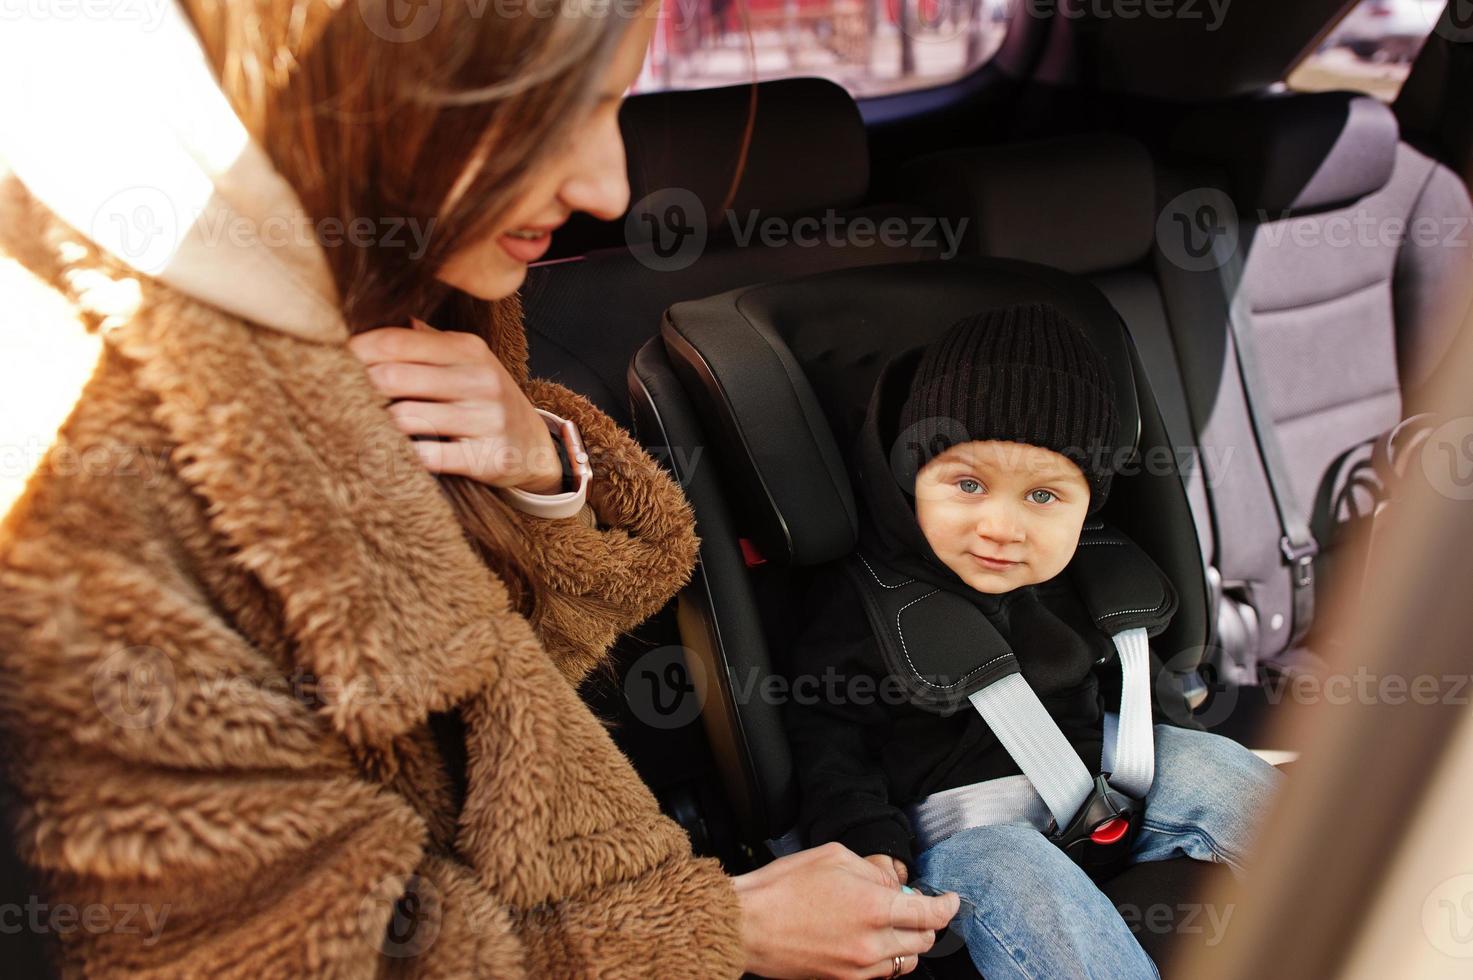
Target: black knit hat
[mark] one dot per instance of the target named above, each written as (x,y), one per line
(1018,374)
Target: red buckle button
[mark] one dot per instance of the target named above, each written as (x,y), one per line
(750,555)
(1110,831)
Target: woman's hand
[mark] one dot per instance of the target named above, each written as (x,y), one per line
(891,866)
(826,912)
(450,385)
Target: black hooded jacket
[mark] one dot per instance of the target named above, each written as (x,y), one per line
(861,750)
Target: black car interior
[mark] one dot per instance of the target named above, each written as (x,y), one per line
(1092,161)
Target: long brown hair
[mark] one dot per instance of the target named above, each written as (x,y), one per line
(433,123)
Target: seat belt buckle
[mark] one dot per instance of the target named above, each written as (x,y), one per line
(1100,837)
(1300,558)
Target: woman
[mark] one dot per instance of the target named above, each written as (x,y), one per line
(270,686)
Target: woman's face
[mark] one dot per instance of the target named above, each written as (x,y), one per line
(588,175)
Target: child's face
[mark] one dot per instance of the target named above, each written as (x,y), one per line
(1019,504)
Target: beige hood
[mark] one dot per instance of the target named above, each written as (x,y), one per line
(116,123)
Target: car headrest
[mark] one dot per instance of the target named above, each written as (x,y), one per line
(809,150)
(1081,203)
(781,374)
(1297,152)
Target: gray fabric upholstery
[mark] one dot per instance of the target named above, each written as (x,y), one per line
(1433,284)
(1286,153)
(1241,504)
(1082,203)
(1350,307)
(1323,289)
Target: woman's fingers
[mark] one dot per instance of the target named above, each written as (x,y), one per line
(887,866)
(419,345)
(908,964)
(923,912)
(909,942)
(454,458)
(399,380)
(497,463)
(448,420)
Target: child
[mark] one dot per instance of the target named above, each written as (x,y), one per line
(1011,425)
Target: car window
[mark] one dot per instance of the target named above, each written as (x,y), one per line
(1370,50)
(861,44)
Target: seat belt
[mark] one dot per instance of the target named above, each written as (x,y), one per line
(950,657)
(1055,789)
(1297,545)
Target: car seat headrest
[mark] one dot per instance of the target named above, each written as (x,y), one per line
(1297,152)
(781,374)
(809,149)
(1083,204)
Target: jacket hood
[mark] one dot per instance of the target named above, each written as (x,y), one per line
(888,529)
(116,123)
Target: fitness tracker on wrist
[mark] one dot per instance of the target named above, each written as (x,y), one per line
(569,502)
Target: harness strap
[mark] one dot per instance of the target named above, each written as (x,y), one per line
(1054,783)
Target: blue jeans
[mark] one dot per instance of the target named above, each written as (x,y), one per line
(1029,911)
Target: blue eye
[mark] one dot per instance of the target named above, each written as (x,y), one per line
(969,486)
(1049,494)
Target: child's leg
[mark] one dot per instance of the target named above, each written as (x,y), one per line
(1028,911)
(1207,799)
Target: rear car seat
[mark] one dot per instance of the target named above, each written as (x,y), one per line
(773,379)
(1086,205)
(1351,278)
(1093,205)
(586,316)
(808,157)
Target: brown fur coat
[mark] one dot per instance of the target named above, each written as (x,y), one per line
(229,599)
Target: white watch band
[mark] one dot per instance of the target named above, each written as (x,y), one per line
(555,505)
